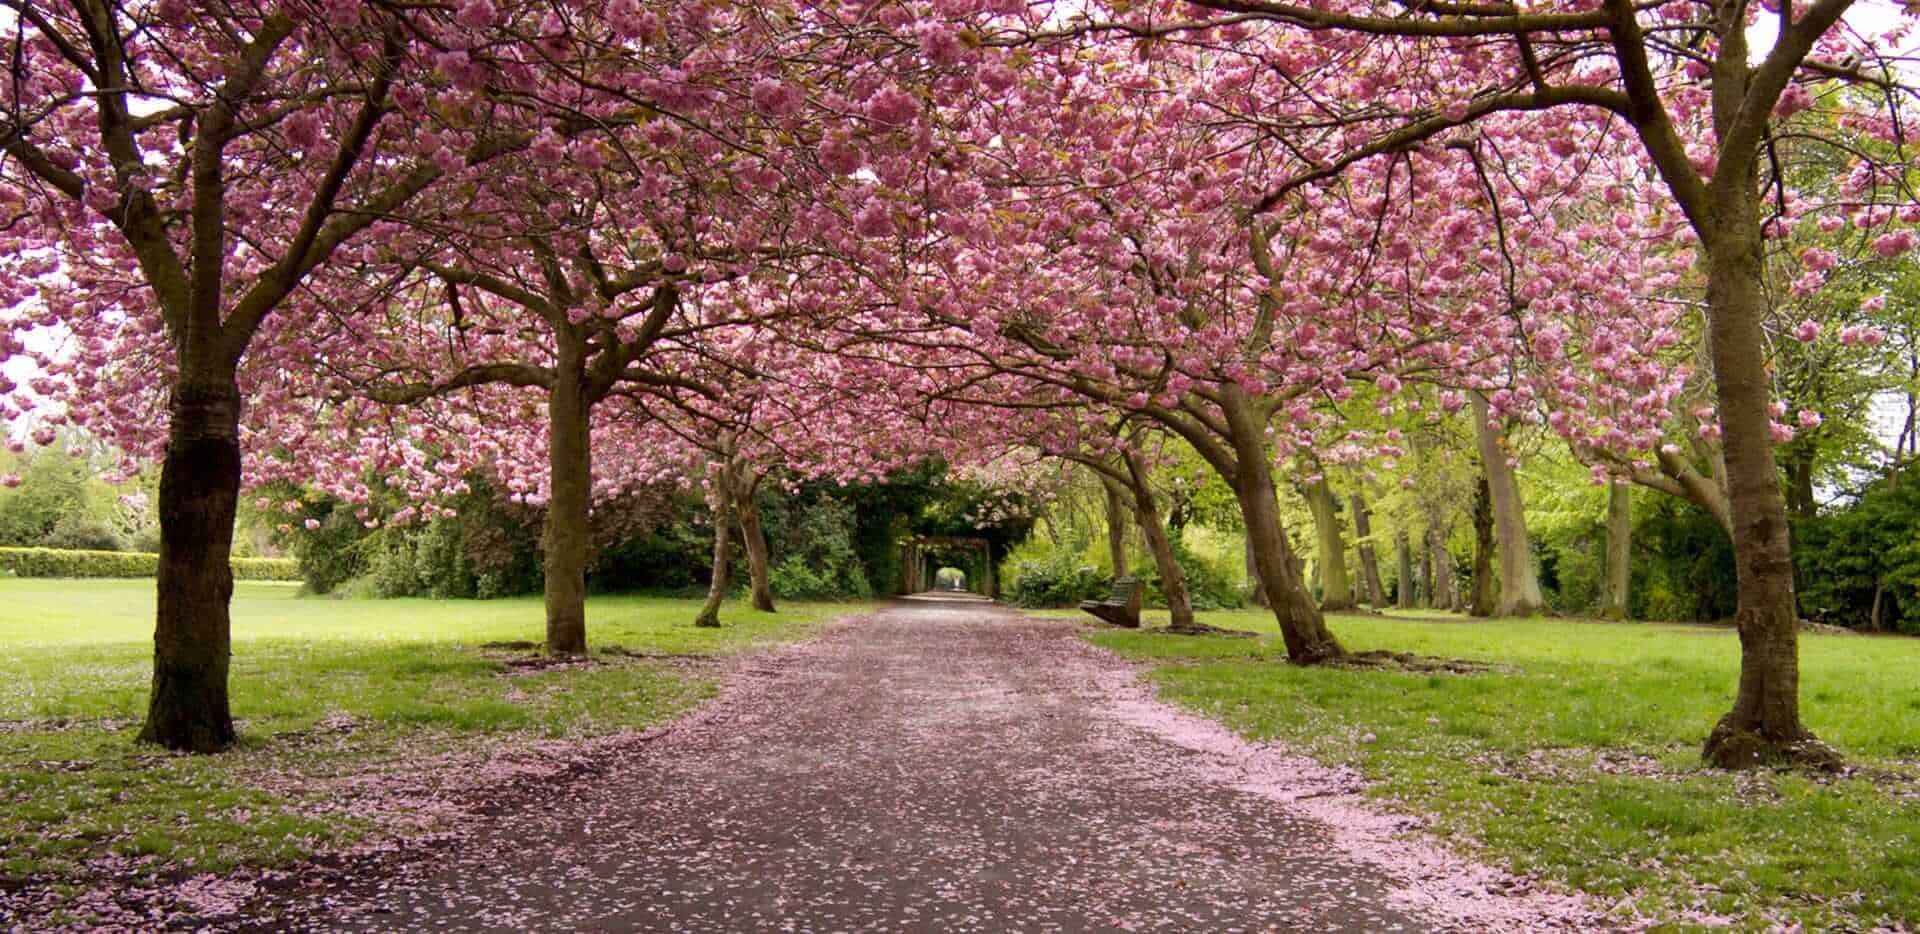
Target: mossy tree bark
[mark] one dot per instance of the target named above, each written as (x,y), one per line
(565,539)
(1481,601)
(1369,557)
(1520,593)
(1119,516)
(1406,585)
(1613,593)
(1336,585)
(723,519)
(1146,510)
(754,535)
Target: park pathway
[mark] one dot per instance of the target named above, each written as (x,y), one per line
(942,765)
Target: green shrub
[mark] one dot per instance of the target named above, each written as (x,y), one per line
(76,532)
(1059,579)
(58,562)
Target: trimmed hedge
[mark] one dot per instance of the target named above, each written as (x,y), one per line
(60,562)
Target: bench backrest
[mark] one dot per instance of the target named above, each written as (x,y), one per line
(1123,589)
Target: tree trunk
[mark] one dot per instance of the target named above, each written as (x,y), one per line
(1173,581)
(1879,592)
(1369,559)
(1519,583)
(1481,603)
(1117,520)
(755,537)
(1256,588)
(199,492)
(1799,470)
(1442,594)
(1302,627)
(1613,595)
(1404,587)
(1336,587)
(722,546)
(1426,573)
(1764,725)
(570,481)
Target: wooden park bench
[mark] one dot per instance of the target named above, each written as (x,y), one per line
(1122,607)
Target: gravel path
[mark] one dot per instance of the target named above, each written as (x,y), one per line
(941,765)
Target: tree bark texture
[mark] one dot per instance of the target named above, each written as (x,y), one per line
(1481,601)
(1442,594)
(1302,627)
(1369,558)
(188,709)
(754,535)
(1519,583)
(722,546)
(1613,594)
(1336,586)
(565,540)
(1404,587)
(1118,515)
(1146,509)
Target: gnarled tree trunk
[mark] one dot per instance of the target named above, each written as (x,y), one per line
(1369,559)
(570,481)
(199,493)
(1336,587)
(1519,584)
(1256,588)
(1613,593)
(722,546)
(755,537)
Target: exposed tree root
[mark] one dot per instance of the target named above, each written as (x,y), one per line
(1732,747)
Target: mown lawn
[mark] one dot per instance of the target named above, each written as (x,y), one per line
(1576,757)
(383,682)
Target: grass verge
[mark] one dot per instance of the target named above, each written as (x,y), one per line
(322,687)
(1577,757)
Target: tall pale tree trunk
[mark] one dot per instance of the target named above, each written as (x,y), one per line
(1519,584)
(1404,588)
(199,494)
(1369,558)
(1173,581)
(1336,586)
(1302,627)
(1118,517)
(1481,601)
(570,480)
(755,537)
(1613,593)
(1441,596)
(722,545)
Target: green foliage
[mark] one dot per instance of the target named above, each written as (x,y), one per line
(1845,558)
(1057,579)
(69,563)
(75,531)
(1211,584)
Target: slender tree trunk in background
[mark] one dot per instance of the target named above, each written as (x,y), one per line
(1404,587)
(570,471)
(1481,601)
(199,495)
(1302,627)
(1764,724)
(1519,583)
(1369,559)
(1256,588)
(1336,586)
(1879,591)
(722,546)
(1613,596)
(1426,573)
(991,586)
(1799,469)
(755,536)
(1444,597)
(1118,518)
(1173,581)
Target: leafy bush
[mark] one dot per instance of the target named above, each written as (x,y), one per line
(1210,586)
(1059,579)
(56,562)
(83,533)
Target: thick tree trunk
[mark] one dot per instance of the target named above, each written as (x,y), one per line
(1173,581)
(1336,586)
(1256,588)
(1302,627)
(566,537)
(1764,724)
(1481,601)
(199,492)
(1519,583)
(755,537)
(1369,558)
(722,547)
(1613,594)
(1118,516)
(1404,587)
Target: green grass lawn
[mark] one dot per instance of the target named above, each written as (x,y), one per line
(388,681)
(1577,756)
